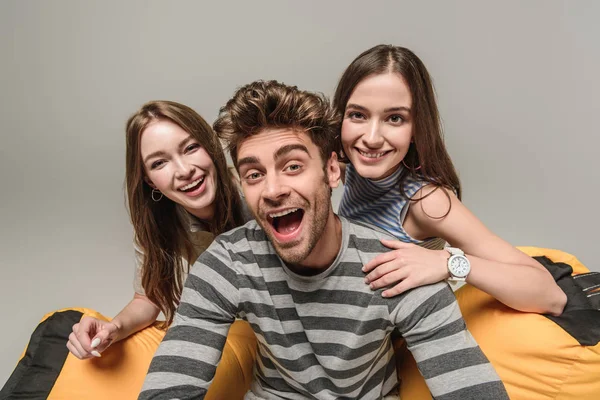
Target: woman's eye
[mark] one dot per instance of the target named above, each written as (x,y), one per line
(355,115)
(396,119)
(192,147)
(156,164)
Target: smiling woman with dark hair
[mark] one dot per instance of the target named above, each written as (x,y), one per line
(400,177)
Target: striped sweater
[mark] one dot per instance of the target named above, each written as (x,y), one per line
(325,336)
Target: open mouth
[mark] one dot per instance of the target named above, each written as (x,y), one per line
(192,186)
(286,222)
(373,155)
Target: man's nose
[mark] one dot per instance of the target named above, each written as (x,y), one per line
(275,189)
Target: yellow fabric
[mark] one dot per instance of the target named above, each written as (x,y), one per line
(120,372)
(534,357)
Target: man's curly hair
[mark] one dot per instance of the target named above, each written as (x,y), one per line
(264,105)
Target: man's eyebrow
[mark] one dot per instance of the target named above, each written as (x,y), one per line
(247,160)
(282,151)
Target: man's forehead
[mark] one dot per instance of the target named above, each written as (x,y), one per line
(268,142)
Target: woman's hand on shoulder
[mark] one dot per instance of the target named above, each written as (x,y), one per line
(405,267)
(91,336)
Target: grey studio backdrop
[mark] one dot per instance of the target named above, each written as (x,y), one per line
(517,84)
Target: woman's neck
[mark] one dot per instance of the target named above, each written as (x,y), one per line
(205,214)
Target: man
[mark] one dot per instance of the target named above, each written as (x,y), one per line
(295,275)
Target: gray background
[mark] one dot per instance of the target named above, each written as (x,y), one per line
(518,91)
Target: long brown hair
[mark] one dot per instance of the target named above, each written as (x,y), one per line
(428,150)
(159,231)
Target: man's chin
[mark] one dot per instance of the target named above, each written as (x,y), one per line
(291,257)
(290,252)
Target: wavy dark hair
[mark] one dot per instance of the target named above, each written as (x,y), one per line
(159,232)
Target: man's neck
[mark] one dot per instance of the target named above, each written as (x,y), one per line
(325,251)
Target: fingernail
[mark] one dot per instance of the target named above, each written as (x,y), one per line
(366,280)
(364,269)
(95,343)
(96,354)
(372,286)
(384,294)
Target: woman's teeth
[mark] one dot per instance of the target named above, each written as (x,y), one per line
(372,155)
(282,213)
(192,185)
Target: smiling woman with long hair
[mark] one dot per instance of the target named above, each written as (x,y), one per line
(181,194)
(400,178)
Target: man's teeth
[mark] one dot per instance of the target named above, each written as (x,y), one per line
(191,185)
(372,155)
(282,213)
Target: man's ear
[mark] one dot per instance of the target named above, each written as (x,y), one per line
(333,171)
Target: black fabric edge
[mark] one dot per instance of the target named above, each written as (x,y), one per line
(579,318)
(34,376)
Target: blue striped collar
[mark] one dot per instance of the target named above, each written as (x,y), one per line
(384,184)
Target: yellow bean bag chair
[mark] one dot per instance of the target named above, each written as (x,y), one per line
(48,371)
(535,357)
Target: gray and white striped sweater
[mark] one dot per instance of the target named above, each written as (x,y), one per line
(319,337)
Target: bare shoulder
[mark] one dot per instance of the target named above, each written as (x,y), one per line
(429,208)
(432,202)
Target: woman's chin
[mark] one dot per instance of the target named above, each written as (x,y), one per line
(202,208)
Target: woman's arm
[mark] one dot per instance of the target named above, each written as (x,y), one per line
(91,336)
(138,314)
(497,268)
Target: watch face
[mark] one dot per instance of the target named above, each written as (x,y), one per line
(459,266)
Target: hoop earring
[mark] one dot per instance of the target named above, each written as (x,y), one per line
(415,169)
(154,191)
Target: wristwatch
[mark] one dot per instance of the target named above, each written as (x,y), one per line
(458,264)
